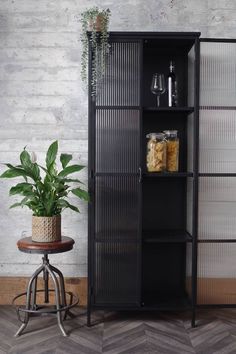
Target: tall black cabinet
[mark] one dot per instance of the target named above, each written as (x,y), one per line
(142,225)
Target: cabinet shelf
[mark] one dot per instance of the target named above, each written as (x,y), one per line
(217,174)
(169,109)
(167,174)
(166,236)
(116,236)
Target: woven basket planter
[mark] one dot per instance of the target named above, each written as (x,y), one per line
(46,229)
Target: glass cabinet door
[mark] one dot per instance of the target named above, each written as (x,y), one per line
(217,182)
(116,232)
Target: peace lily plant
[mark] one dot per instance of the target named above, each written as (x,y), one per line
(46,196)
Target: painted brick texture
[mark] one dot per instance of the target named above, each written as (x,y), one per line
(42,98)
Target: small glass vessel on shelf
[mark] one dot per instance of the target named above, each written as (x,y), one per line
(156,152)
(172,150)
(158,86)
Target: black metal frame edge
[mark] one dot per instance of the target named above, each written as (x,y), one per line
(116,174)
(139,308)
(123,108)
(203,174)
(210,306)
(226,40)
(167,174)
(217,108)
(91,185)
(140,236)
(151,109)
(205,306)
(144,35)
(215,240)
(195,180)
(169,109)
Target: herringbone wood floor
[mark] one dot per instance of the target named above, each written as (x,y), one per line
(127,333)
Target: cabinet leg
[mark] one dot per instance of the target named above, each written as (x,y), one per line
(193,322)
(88,316)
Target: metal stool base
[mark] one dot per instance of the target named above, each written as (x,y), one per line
(60,296)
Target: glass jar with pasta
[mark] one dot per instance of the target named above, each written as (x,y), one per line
(156,152)
(172,150)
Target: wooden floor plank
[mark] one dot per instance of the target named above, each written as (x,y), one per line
(122,333)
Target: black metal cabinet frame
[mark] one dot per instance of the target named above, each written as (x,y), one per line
(129,265)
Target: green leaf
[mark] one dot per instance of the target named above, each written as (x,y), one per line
(65,159)
(29,194)
(25,160)
(68,180)
(11,166)
(48,205)
(62,203)
(51,154)
(22,203)
(43,168)
(13,172)
(15,205)
(74,208)
(30,168)
(70,169)
(35,172)
(21,188)
(81,193)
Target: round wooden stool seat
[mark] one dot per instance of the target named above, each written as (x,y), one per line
(27,245)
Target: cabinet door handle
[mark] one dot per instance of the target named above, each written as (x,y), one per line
(140,174)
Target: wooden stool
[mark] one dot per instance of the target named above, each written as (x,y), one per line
(29,246)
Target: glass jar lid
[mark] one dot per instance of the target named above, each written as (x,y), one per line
(158,136)
(170,133)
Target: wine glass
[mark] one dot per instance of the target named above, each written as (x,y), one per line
(158,86)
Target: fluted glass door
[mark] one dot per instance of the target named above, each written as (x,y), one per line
(117,185)
(217,183)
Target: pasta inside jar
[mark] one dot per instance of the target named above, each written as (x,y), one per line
(172,150)
(156,152)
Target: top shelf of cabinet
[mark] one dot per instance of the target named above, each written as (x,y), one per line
(169,109)
(149,109)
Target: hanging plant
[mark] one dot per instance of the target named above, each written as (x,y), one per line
(95,21)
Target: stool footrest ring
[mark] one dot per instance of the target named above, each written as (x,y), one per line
(74,300)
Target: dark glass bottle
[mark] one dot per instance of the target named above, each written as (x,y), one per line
(172,86)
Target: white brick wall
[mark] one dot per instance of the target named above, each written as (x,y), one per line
(42,99)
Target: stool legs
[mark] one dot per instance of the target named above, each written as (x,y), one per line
(32,282)
(60,295)
(57,296)
(45,278)
(34,294)
(62,287)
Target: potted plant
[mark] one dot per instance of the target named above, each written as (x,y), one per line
(46,196)
(95,21)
